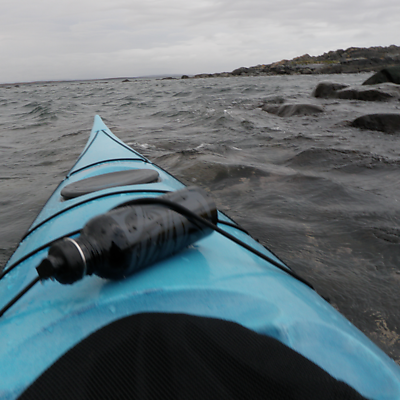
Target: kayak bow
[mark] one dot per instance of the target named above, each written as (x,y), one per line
(210,276)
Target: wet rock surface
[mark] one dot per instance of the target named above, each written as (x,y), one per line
(388,123)
(382,92)
(364,94)
(328,90)
(391,74)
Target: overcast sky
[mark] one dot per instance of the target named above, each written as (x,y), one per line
(83,39)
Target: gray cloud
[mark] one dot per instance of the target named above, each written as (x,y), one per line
(72,39)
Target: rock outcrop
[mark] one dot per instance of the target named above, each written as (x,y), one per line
(363,95)
(331,90)
(351,60)
(391,74)
(328,90)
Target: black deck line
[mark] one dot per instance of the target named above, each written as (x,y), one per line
(122,144)
(82,154)
(31,253)
(87,201)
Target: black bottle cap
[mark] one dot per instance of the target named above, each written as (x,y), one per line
(66,262)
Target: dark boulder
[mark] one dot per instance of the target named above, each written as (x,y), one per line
(240,71)
(287,110)
(363,94)
(388,123)
(383,92)
(272,109)
(391,74)
(200,76)
(126,80)
(224,75)
(327,90)
(185,77)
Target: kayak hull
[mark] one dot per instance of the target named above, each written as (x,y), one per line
(214,277)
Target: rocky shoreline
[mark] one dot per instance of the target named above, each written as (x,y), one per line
(373,90)
(351,60)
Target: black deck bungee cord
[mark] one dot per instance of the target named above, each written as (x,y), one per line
(19,295)
(29,231)
(192,217)
(188,214)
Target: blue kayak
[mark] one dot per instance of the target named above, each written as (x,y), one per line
(209,275)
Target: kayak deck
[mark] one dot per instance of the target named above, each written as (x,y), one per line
(214,277)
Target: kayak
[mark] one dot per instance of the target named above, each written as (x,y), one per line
(196,267)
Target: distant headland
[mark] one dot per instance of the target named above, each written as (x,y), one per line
(351,60)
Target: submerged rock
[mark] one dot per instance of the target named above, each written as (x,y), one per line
(272,99)
(287,110)
(391,74)
(388,123)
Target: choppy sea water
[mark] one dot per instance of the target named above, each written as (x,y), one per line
(323,196)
